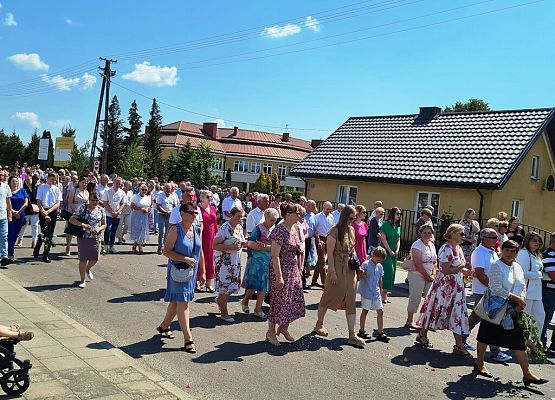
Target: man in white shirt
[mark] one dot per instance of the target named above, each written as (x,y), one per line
(215,196)
(103,185)
(482,257)
(323,225)
(336,213)
(186,197)
(165,203)
(5,217)
(256,216)
(230,202)
(377,203)
(49,198)
(113,200)
(125,217)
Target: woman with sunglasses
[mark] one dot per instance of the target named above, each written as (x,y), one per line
(141,205)
(209,229)
(361,231)
(390,237)
(88,246)
(341,281)
(183,245)
(529,258)
(76,196)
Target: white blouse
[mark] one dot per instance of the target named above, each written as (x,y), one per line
(532,268)
(142,201)
(503,281)
(428,256)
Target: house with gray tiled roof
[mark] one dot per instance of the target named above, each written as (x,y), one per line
(489,161)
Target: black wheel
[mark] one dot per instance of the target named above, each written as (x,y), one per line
(15,383)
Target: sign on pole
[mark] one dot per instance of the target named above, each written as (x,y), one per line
(43,149)
(96,166)
(62,154)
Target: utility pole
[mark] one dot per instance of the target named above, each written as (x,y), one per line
(107,75)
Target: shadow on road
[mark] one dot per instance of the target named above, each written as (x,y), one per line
(433,358)
(155,295)
(48,288)
(470,386)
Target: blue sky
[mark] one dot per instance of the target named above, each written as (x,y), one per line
(335,60)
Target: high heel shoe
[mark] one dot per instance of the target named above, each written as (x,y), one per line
(478,371)
(273,342)
(528,381)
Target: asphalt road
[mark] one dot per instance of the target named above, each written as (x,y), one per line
(124,304)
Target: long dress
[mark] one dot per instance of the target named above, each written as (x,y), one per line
(139,219)
(209,229)
(287,303)
(361,230)
(17,200)
(445,303)
(258,261)
(469,248)
(392,234)
(228,263)
(189,247)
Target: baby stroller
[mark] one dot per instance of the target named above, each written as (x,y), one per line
(14,382)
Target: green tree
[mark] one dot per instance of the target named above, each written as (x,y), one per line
(68,131)
(112,136)
(31,151)
(79,158)
(275,183)
(3,142)
(152,140)
(202,163)
(178,165)
(135,125)
(136,162)
(472,104)
(12,149)
(260,183)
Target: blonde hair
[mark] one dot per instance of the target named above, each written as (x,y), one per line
(502,216)
(359,208)
(453,228)
(492,223)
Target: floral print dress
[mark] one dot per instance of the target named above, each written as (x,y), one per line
(228,263)
(445,304)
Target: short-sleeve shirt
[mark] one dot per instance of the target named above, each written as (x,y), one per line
(548,260)
(482,257)
(166,202)
(113,198)
(428,254)
(94,218)
(228,204)
(5,193)
(142,201)
(49,195)
(175,216)
(369,286)
(323,224)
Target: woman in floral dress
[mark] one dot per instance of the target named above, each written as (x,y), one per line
(471,231)
(445,304)
(286,289)
(227,256)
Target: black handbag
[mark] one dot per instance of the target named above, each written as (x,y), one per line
(66,215)
(354,264)
(76,230)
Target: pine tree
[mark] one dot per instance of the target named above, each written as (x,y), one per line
(68,131)
(113,137)
(152,141)
(31,151)
(3,141)
(260,184)
(178,165)
(12,149)
(135,163)
(275,183)
(268,184)
(79,158)
(135,125)
(202,163)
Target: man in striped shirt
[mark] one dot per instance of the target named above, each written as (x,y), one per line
(548,294)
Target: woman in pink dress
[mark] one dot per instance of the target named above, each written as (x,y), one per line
(209,229)
(361,231)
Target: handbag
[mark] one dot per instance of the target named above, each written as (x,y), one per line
(181,272)
(76,230)
(482,313)
(354,264)
(66,215)
(408,264)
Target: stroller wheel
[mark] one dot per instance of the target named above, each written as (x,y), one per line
(15,383)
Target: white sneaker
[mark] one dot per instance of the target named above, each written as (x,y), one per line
(90,274)
(227,319)
(82,285)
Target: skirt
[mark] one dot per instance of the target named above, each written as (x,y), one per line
(492,334)
(88,249)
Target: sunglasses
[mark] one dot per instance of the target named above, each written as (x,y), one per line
(143,190)
(398,214)
(490,237)
(191,212)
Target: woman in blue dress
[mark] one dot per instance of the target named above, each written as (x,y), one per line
(256,277)
(19,202)
(183,245)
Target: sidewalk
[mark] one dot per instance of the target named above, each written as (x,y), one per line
(70,361)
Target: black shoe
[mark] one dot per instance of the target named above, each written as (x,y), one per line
(382,337)
(35,254)
(363,335)
(550,352)
(485,373)
(528,381)
(46,259)
(4,262)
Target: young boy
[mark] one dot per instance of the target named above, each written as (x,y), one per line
(370,288)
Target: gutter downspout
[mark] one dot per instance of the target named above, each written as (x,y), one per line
(305,187)
(481,203)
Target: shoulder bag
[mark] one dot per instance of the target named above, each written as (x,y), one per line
(354,264)
(76,230)
(408,264)
(182,272)
(498,317)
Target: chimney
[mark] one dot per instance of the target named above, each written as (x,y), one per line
(285,136)
(211,129)
(315,143)
(428,113)
(235,129)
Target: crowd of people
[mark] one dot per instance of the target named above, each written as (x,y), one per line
(344,251)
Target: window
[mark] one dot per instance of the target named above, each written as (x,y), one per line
(218,164)
(241,166)
(424,199)
(268,169)
(516,209)
(347,194)
(282,172)
(255,167)
(535,174)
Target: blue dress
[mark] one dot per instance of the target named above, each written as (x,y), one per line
(177,291)
(258,262)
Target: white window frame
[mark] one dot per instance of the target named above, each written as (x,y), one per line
(255,170)
(346,190)
(279,171)
(417,205)
(516,209)
(240,166)
(219,164)
(535,172)
(268,168)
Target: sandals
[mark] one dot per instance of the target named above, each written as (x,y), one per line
(190,347)
(412,326)
(286,335)
(245,308)
(320,331)
(260,314)
(165,333)
(423,341)
(210,289)
(363,335)
(15,328)
(24,336)
(382,337)
(273,342)
(481,372)
(458,351)
(356,342)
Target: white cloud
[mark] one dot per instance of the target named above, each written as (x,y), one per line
(0,6)
(59,123)
(27,117)
(153,75)
(68,21)
(312,23)
(220,122)
(30,62)
(9,20)
(277,31)
(66,84)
